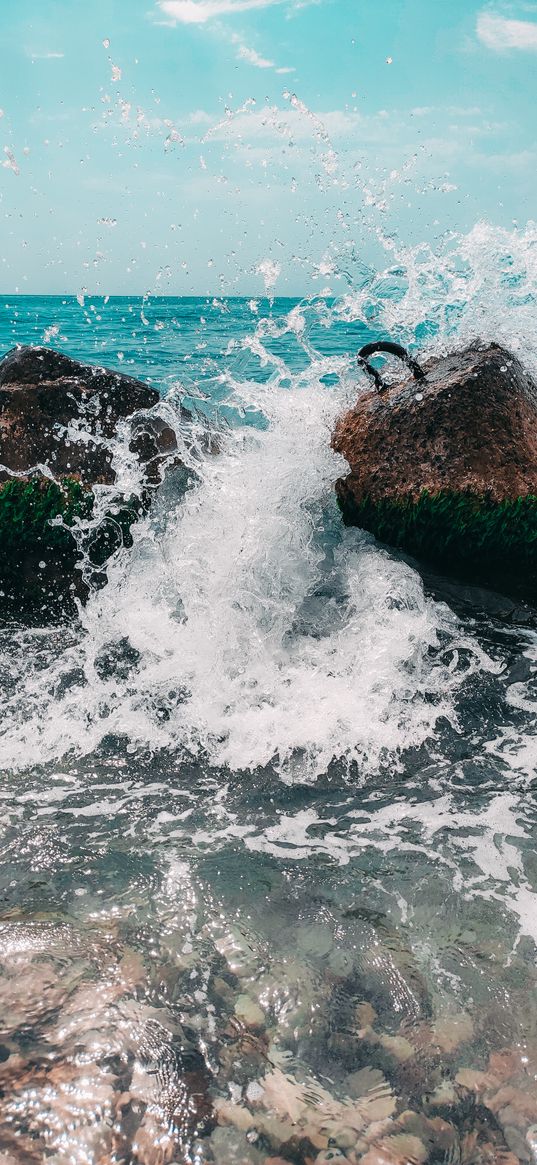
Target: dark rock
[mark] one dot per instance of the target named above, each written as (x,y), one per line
(154,443)
(445,468)
(42,392)
(58,419)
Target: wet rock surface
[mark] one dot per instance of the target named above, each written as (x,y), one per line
(446,467)
(59,420)
(45,396)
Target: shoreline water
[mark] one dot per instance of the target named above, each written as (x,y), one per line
(268,807)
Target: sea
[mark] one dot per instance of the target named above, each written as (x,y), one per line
(268,881)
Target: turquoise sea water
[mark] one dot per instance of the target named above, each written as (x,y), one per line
(165,339)
(268,808)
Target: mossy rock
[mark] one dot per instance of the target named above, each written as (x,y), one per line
(27,508)
(467,533)
(445,467)
(68,416)
(41,559)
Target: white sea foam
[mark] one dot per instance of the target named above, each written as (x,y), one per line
(264,631)
(482,284)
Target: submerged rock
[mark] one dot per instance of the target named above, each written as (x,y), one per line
(445,467)
(90,1070)
(58,418)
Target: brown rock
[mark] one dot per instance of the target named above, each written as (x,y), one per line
(432,461)
(506,1063)
(365,1015)
(42,392)
(474,428)
(453,1030)
(19,1149)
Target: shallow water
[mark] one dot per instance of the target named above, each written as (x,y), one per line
(268,875)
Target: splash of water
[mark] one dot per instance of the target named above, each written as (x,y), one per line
(246,625)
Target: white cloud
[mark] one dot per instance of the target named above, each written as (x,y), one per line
(200,117)
(500,34)
(200,11)
(253,58)
(47,56)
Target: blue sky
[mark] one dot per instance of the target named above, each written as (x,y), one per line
(225,146)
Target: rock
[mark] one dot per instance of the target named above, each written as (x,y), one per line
(444,1096)
(402,1149)
(447,469)
(506,1063)
(453,1030)
(345,1139)
(223,990)
(229,1144)
(398,1047)
(240,953)
(514,1105)
(92,1069)
(248,1012)
(293,993)
(340,963)
(19,1150)
(58,418)
(315,939)
(475,1080)
(432,1132)
(234,1114)
(365,1015)
(42,393)
(364,1081)
(332,1153)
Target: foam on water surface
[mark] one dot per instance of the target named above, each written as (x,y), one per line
(257,629)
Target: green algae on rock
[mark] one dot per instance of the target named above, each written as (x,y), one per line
(38,553)
(28,508)
(448,473)
(58,418)
(442,526)
(40,557)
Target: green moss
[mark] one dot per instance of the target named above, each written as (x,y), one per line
(27,507)
(454,528)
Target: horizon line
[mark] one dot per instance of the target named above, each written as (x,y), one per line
(155,295)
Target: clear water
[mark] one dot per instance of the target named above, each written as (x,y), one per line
(268,868)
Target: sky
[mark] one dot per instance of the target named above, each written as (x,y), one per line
(185,147)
